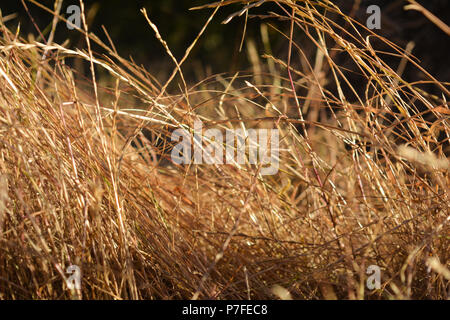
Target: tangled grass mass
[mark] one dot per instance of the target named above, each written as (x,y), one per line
(86,177)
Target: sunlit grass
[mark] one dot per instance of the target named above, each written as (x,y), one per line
(363,174)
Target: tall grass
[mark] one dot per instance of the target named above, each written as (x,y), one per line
(363,174)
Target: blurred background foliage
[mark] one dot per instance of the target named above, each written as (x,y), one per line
(218,50)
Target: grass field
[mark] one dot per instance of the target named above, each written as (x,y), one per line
(86,177)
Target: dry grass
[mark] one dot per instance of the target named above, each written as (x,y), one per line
(363,179)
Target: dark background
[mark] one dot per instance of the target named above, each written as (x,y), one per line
(131,34)
(217,51)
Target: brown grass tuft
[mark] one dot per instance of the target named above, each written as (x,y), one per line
(73,190)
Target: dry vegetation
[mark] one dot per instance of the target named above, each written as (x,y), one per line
(363,174)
